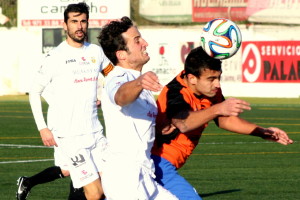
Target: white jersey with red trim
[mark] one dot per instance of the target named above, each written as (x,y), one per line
(130,134)
(69,78)
(129,129)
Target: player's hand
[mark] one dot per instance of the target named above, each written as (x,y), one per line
(277,135)
(233,107)
(47,137)
(168,129)
(168,133)
(150,81)
(98,103)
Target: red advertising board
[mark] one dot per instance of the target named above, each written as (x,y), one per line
(206,10)
(271,61)
(59,22)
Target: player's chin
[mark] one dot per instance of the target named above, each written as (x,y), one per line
(211,94)
(79,39)
(146,58)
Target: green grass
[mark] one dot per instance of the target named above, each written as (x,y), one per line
(223,166)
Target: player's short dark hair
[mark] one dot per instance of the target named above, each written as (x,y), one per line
(110,37)
(81,7)
(198,60)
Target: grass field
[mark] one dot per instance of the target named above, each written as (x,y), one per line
(224,165)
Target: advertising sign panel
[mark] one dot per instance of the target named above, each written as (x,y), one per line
(175,11)
(50,13)
(271,61)
(274,11)
(206,10)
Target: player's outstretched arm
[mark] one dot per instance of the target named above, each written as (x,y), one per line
(129,92)
(272,134)
(190,120)
(241,126)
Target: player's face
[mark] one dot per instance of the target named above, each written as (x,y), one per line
(136,54)
(208,83)
(76,28)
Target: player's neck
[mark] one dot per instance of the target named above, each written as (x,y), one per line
(72,43)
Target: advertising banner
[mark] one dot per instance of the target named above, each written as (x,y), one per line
(271,61)
(175,11)
(168,49)
(50,13)
(167,58)
(274,11)
(206,10)
(178,11)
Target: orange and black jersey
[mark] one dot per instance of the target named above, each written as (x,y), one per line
(173,99)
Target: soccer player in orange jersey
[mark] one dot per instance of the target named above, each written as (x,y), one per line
(185,106)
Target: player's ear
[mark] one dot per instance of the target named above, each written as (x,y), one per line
(192,79)
(121,54)
(65,26)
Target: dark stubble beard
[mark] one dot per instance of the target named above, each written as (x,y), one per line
(75,39)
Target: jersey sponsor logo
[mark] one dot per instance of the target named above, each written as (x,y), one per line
(93,59)
(85,79)
(70,61)
(83,61)
(84,70)
(87,175)
(151,114)
(78,160)
(84,172)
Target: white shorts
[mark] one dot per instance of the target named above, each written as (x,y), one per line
(125,180)
(81,155)
(60,159)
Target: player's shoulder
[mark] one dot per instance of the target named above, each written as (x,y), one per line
(57,50)
(92,46)
(55,54)
(176,87)
(117,72)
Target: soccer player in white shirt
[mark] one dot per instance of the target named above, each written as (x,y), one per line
(68,81)
(129,110)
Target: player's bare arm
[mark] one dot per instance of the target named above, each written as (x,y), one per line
(189,120)
(129,92)
(272,134)
(233,107)
(241,126)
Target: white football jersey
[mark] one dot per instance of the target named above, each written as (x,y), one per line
(69,78)
(129,129)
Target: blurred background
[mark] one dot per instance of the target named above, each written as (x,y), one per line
(267,64)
